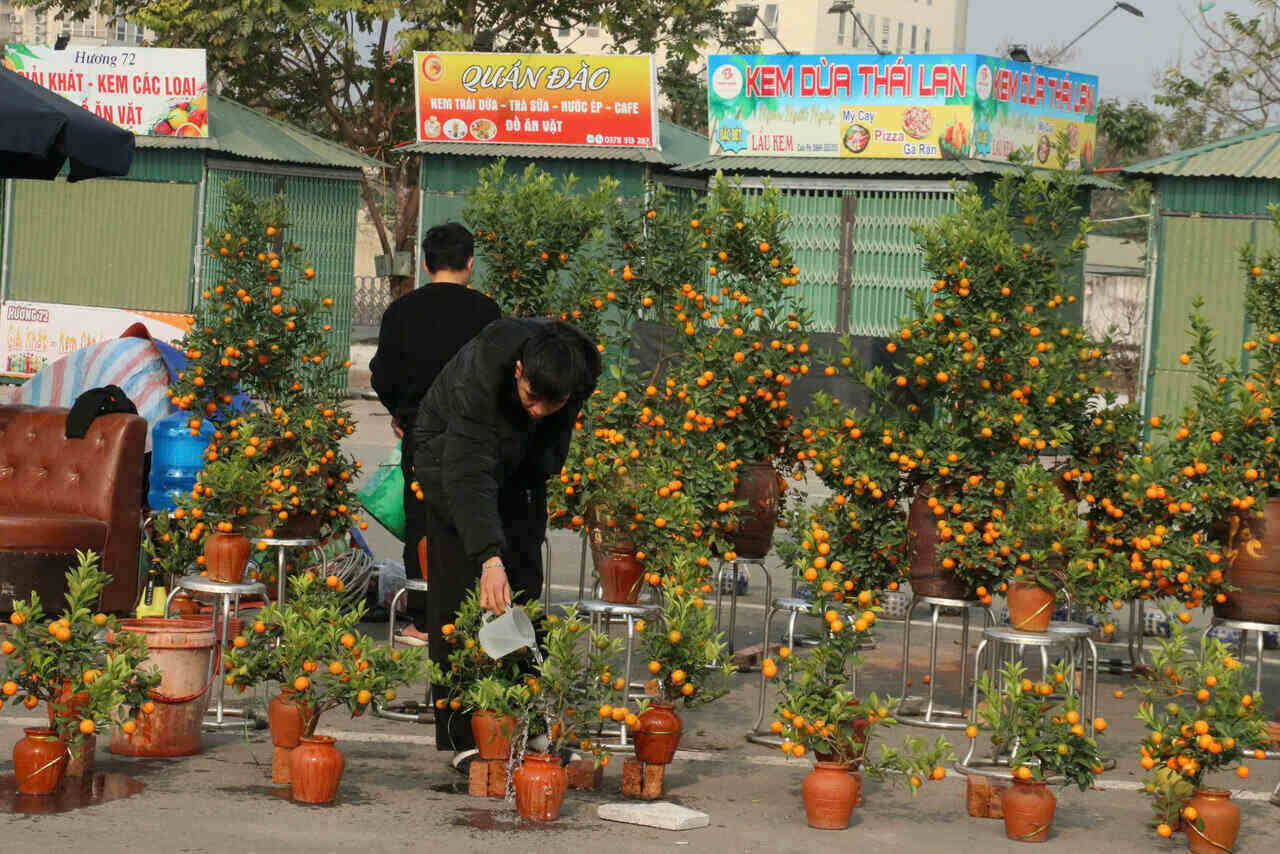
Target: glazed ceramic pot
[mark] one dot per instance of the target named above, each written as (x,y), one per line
(492,733)
(315,769)
(830,793)
(658,735)
(1030,607)
(285,716)
(758,487)
(928,576)
(1028,811)
(226,556)
(39,760)
(540,784)
(1255,566)
(1216,823)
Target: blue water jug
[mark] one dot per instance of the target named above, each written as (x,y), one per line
(176,458)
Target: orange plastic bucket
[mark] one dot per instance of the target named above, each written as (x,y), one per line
(182,649)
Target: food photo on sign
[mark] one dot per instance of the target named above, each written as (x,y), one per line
(950,106)
(531,99)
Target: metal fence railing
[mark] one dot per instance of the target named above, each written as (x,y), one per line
(371,297)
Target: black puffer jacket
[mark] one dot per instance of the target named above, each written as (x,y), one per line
(474,440)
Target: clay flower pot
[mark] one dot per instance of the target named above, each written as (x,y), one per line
(1028,810)
(830,793)
(658,735)
(80,758)
(540,784)
(928,576)
(1216,824)
(1030,607)
(285,717)
(315,769)
(492,733)
(758,487)
(68,705)
(621,574)
(226,556)
(39,760)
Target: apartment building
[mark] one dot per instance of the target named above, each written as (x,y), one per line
(26,26)
(830,26)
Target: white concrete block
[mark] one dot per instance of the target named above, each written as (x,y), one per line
(663,815)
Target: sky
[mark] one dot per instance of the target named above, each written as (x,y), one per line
(1126,52)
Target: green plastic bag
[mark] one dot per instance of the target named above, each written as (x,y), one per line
(383,495)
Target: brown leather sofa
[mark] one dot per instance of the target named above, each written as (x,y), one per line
(58,495)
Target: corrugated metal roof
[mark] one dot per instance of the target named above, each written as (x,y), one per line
(679,146)
(861,166)
(1250,155)
(243,132)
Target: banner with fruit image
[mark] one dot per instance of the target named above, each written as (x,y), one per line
(33,334)
(149,91)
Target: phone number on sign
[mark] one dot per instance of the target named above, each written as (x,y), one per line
(601,139)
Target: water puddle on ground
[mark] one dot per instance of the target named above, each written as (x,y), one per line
(480,819)
(285,793)
(458,787)
(75,794)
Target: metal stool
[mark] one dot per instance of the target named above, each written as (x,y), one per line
(226,602)
(795,607)
(409,710)
(602,614)
(1244,627)
(730,568)
(1007,643)
(929,718)
(280,545)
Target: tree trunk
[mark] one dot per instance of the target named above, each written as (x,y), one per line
(407,212)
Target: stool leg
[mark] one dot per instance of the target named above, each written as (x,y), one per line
(280,564)
(964,652)
(168,601)
(225,605)
(391,620)
(733,608)
(1257,679)
(719,592)
(906,650)
(764,682)
(933,658)
(546,577)
(973,704)
(1089,668)
(626,672)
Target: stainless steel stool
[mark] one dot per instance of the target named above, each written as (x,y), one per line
(930,716)
(1244,627)
(226,603)
(1007,643)
(730,569)
(409,710)
(280,545)
(795,607)
(602,614)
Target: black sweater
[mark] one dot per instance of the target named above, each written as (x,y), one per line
(472,438)
(420,333)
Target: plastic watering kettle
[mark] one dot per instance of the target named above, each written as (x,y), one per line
(500,636)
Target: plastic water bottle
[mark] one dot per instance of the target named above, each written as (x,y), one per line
(176,458)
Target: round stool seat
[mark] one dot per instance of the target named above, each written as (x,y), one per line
(1069,630)
(1005,634)
(295,543)
(417,585)
(788,603)
(597,606)
(201,584)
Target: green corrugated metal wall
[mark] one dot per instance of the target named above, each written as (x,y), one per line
(1218,195)
(119,244)
(323,216)
(887,262)
(814,235)
(167,164)
(1199,256)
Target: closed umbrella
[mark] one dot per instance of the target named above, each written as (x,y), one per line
(41,130)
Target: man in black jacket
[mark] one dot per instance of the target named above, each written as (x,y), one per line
(493,428)
(420,333)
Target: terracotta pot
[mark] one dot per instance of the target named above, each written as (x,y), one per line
(1216,825)
(182,605)
(80,758)
(1028,810)
(226,556)
(315,769)
(658,735)
(928,577)
(492,732)
(39,761)
(285,717)
(758,487)
(1030,607)
(540,784)
(830,793)
(1253,544)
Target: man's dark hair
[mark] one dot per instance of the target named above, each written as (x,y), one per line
(448,247)
(556,364)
